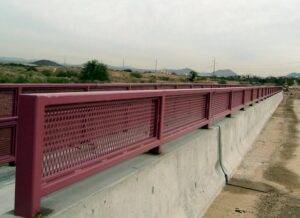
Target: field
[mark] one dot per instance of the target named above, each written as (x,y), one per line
(14,73)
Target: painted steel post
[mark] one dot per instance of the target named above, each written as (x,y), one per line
(29,157)
(208,109)
(230,103)
(252,97)
(243,101)
(159,124)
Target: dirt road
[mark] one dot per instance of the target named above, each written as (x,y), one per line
(267,183)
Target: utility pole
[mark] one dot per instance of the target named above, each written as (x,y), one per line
(214,67)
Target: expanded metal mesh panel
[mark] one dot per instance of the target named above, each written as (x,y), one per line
(237,99)
(180,111)
(78,134)
(143,87)
(165,86)
(206,86)
(254,93)
(108,88)
(6,134)
(247,96)
(52,89)
(220,103)
(197,86)
(7,98)
(184,86)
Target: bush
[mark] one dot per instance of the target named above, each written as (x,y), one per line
(164,78)
(31,68)
(152,79)
(192,76)
(46,73)
(136,75)
(53,79)
(127,70)
(93,70)
(222,81)
(67,73)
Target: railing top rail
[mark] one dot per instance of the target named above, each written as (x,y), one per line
(35,85)
(81,97)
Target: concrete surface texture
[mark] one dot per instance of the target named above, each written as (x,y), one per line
(267,183)
(181,182)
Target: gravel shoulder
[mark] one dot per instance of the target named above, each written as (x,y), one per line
(267,183)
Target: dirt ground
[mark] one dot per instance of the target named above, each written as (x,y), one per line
(267,183)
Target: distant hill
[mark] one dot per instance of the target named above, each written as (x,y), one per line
(183,71)
(220,73)
(225,73)
(293,75)
(46,63)
(14,60)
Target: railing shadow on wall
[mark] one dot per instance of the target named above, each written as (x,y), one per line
(65,137)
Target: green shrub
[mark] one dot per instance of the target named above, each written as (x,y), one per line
(46,73)
(222,81)
(93,70)
(136,75)
(192,76)
(53,79)
(67,73)
(152,79)
(164,78)
(31,68)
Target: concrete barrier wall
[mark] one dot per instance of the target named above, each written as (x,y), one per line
(182,182)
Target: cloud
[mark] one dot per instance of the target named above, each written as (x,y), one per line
(258,36)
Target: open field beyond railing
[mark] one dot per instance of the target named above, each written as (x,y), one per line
(66,137)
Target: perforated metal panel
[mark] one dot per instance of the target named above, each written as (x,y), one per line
(78,134)
(237,98)
(180,111)
(247,96)
(166,86)
(6,134)
(52,89)
(184,86)
(109,88)
(143,87)
(220,103)
(255,94)
(7,98)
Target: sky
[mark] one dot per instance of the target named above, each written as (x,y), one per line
(260,37)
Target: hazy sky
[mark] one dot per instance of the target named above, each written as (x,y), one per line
(248,36)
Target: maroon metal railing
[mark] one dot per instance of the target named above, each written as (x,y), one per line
(66,137)
(9,97)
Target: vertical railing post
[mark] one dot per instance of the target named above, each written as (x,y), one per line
(252,97)
(208,109)
(17,93)
(159,123)
(230,103)
(243,101)
(29,156)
